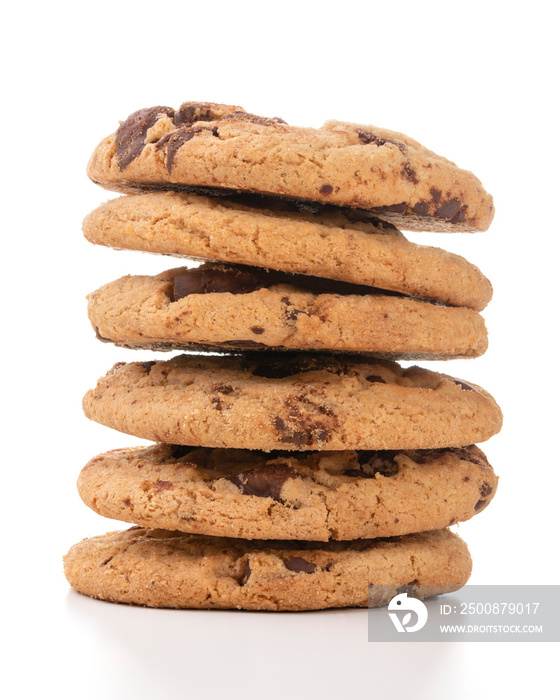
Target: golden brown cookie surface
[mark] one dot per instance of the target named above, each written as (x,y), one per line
(225,148)
(158,568)
(217,307)
(292,401)
(317,496)
(330,242)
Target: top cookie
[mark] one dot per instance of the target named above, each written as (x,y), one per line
(206,145)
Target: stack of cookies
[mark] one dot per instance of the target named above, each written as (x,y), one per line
(295,461)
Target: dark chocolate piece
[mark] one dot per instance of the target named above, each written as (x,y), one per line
(373,462)
(246,574)
(131,134)
(236,279)
(449,209)
(300,566)
(421,208)
(264,482)
(191,112)
(214,280)
(463,385)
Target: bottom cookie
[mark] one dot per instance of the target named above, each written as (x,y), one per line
(163,569)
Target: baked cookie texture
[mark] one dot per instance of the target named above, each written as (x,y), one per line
(352,165)
(292,402)
(299,464)
(325,241)
(220,306)
(316,496)
(163,569)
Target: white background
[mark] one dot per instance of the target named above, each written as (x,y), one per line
(474,81)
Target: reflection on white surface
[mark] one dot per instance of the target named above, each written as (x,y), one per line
(252,654)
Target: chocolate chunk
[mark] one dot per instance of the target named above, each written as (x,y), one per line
(421,208)
(301,431)
(424,456)
(238,279)
(304,398)
(459,216)
(127,502)
(264,482)
(213,280)
(448,209)
(326,189)
(480,504)
(246,574)
(368,137)
(131,134)
(217,403)
(163,486)
(410,173)
(485,489)
(373,462)
(191,112)
(436,195)
(173,142)
(479,460)
(394,208)
(292,313)
(467,456)
(374,379)
(103,563)
(148,365)
(463,385)
(299,565)
(296,437)
(223,389)
(257,330)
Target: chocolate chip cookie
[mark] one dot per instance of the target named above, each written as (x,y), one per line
(219,306)
(322,241)
(292,401)
(163,569)
(317,496)
(224,148)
